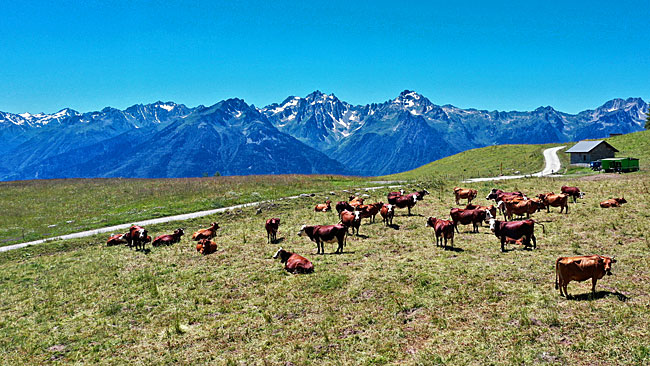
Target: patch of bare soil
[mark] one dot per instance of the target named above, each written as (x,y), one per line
(603,176)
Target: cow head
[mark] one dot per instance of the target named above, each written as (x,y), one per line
(493,194)
(179,232)
(302,231)
(581,194)
(607,262)
(621,200)
(214,226)
(431,222)
(277,253)
(493,223)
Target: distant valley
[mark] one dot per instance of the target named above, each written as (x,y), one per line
(316,134)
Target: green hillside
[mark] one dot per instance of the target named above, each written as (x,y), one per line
(484,162)
(636,145)
(391,298)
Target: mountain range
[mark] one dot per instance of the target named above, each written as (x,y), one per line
(317,134)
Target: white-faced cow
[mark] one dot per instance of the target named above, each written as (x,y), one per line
(321,234)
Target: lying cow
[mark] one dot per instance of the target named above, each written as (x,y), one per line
(116,239)
(514,230)
(387,212)
(443,229)
(272,226)
(325,234)
(573,192)
(468,194)
(137,237)
(581,268)
(351,220)
(293,262)
(323,207)
(206,246)
(466,217)
(208,233)
(168,239)
(613,202)
(555,200)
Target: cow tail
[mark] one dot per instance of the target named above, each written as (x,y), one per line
(542,225)
(557,270)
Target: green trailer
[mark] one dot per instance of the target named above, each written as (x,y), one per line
(620,164)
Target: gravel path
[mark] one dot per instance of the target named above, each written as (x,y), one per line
(552,165)
(160,220)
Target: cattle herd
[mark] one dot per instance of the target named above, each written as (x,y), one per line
(512,205)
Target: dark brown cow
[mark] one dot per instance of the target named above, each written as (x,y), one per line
(208,233)
(466,217)
(498,195)
(491,208)
(168,239)
(137,237)
(555,200)
(444,229)
(468,194)
(387,212)
(321,234)
(116,239)
(514,230)
(613,202)
(206,246)
(574,192)
(392,196)
(407,201)
(370,211)
(272,226)
(581,268)
(323,207)
(342,206)
(351,220)
(420,194)
(519,208)
(293,262)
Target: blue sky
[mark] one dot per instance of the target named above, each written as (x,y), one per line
(489,55)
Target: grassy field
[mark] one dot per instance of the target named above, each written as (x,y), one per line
(393,297)
(636,145)
(485,162)
(34,209)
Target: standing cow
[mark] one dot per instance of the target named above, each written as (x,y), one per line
(581,268)
(468,194)
(515,230)
(573,192)
(272,226)
(321,234)
(443,229)
(137,237)
(387,212)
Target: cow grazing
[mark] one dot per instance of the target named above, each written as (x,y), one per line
(116,239)
(323,207)
(613,202)
(514,230)
(420,194)
(573,192)
(581,268)
(466,217)
(321,234)
(370,211)
(387,212)
(208,233)
(293,262)
(519,208)
(555,200)
(206,246)
(407,201)
(468,194)
(443,229)
(351,220)
(343,206)
(392,196)
(137,237)
(272,226)
(168,239)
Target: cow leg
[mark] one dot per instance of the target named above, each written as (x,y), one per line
(534,241)
(566,292)
(503,241)
(456,227)
(593,285)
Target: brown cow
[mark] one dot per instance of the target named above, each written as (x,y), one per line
(321,234)
(466,217)
(392,196)
(515,230)
(407,201)
(574,192)
(293,262)
(469,194)
(498,195)
(168,239)
(323,207)
(116,239)
(356,201)
(519,208)
(272,226)
(208,233)
(581,268)
(613,202)
(370,211)
(556,200)
(137,236)
(387,212)
(491,208)
(342,206)
(351,220)
(206,246)
(444,229)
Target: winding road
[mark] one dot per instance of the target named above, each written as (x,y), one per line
(551,161)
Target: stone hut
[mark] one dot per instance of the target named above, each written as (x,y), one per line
(585,152)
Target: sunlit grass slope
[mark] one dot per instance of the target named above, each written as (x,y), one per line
(392,298)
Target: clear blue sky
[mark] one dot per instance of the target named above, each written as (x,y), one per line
(512,55)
